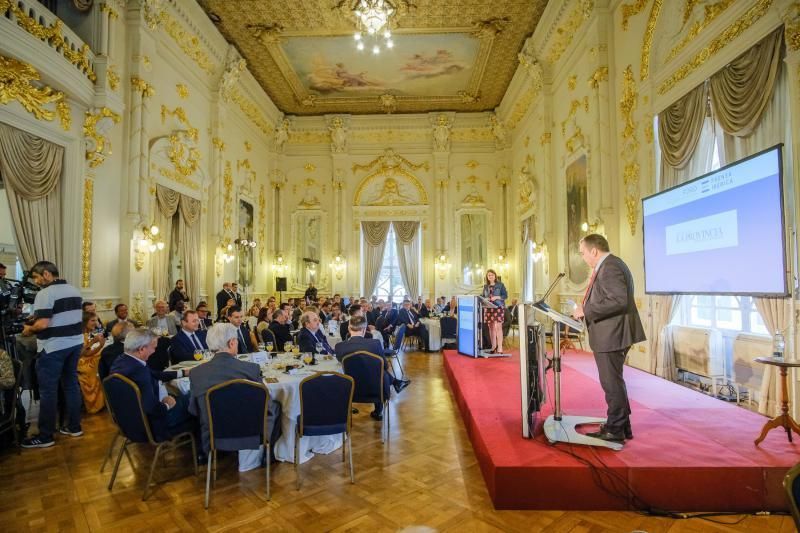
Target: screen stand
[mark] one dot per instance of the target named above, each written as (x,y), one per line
(557,427)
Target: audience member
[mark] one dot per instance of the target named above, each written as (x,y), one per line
(90,307)
(222,297)
(223,313)
(202,314)
(264,319)
(357,342)
(311,334)
(280,328)
(247,341)
(168,415)
(177,312)
(121,313)
(236,296)
(310,294)
(223,339)
(93,343)
(110,353)
(425,309)
(162,320)
(344,327)
(189,339)
(56,321)
(178,293)
(413,326)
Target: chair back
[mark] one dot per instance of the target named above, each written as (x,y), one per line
(399,335)
(366,369)
(791,484)
(326,400)
(237,409)
(380,323)
(449,327)
(268,336)
(8,419)
(124,401)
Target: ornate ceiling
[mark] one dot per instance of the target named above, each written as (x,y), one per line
(448,55)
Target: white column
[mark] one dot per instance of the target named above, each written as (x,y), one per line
(134,155)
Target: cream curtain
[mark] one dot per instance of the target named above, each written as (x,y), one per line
(189,237)
(775,314)
(374,235)
(31,170)
(408,255)
(686,141)
(166,205)
(749,99)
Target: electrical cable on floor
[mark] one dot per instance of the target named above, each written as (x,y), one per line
(626,493)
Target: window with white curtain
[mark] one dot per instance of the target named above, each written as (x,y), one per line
(390,283)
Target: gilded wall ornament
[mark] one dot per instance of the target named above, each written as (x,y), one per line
(95,128)
(182,90)
(64,114)
(388,161)
(572,81)
(545,138)
(791,27)
(563,35)
(498,131)
(17,83)
(227,198)
(710,12)
(218,144)
(143,87)
(388,102)
(338,133)
(112,78)
(599,75)
(753,14)
(282,134)
(630,146)
(186,41)
(248,147)
(441,134)
(647,42)
(469,98)
(630,10)
(180,114)
(250,110)
(86,237)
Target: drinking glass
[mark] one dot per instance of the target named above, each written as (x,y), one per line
(287,346)
(295,349)
(261,346)
(198,355)
(269,346)
(318,348)
(307,358)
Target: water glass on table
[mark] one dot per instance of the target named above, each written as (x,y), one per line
(198,355)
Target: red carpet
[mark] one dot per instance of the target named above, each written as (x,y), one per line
(690,452)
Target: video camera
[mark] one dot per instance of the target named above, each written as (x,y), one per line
(13,295)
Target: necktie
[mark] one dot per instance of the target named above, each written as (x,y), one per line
(588,287)
(196,342)
(242,344)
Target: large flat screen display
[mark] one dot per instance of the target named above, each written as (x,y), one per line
(721,233)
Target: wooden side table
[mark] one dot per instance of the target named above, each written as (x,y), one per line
(783,420)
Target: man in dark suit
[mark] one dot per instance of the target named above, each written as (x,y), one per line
(358,327)
(189,339)
(413,325)
(609,310)
(344,327)
(202,314)
(121,313)
(178,293)
(224,366)
(424,310)
(311,333)
(247,341)
(110,353)
(168,415)
(236,296)
(223,295)
(280,327)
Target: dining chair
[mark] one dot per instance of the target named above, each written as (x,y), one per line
(367,370)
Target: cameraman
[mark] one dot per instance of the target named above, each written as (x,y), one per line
(56,321)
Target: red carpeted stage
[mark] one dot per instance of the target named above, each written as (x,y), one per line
(690,452)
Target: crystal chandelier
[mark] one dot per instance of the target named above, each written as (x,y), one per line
(373,18)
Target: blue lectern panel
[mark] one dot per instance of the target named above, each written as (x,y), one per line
(467,324)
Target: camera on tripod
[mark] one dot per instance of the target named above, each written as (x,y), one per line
(13,296)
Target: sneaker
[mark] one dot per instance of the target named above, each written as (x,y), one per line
(66,431)
(38,442)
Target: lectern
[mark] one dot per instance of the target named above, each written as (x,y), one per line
(559,427)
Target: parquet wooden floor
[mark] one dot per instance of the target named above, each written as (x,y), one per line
(426,475)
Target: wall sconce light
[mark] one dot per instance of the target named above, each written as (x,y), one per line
(338,266)
(279,266)
(150,242)
(502,263)
(593,227)
(538,250)
(442,265)
(244,244)
(226,252)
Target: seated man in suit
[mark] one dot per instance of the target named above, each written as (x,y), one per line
(224,366)
(280,327)
(311,334)
(177,311)
(386,321)
(168,415)
(424,310)
(357,342)
(112,351)
(121,313)
(413,325)
(189,339)
(203,315)
(247,340)
(344,328)
(162,319)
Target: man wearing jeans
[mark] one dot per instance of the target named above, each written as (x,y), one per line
(56,321)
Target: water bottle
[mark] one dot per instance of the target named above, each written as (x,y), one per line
(778,345)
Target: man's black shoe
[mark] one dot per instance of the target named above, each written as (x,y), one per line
(375,415)
(400,384)
(605,435)
(628,432)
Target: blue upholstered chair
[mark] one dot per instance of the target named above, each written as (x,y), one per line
(326,400)
(791,483)
(268,336)
(397,346)
(237,411)
(449,327)
(124,401)
(367,371)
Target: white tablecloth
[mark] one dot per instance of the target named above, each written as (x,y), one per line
(434,333)
(287,392)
